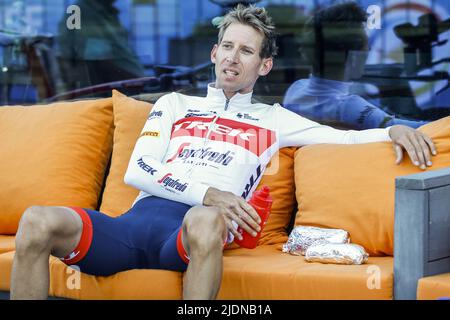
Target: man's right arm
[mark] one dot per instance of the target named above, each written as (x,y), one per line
(147,173)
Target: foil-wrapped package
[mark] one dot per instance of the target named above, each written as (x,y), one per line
(338,253)
(302,237)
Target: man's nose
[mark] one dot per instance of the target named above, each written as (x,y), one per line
(233,56)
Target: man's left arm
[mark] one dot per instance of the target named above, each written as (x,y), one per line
(299,131)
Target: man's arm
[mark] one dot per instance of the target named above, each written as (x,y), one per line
(299,131)
(146,171)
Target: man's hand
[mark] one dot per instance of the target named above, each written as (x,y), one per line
(418,145)
(234,208)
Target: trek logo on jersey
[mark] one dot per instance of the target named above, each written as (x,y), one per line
(207,154)
(146,167)
(253,138)
(155,114)
(172,184)
(150,134)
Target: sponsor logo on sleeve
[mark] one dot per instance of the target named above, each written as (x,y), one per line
(155,114)
(150,134)
(171,184)
(146,167)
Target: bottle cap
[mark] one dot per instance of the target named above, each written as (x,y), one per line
(262,197)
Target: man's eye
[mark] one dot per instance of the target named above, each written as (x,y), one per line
(247,51)
(226,46)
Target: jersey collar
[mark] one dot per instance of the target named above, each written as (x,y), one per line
(237,101)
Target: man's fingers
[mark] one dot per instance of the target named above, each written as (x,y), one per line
(415,141)
(228,215)
(430,143)
(232,229)
(411,151)
(425,149)
(244,221)
(250,211)
(399,153)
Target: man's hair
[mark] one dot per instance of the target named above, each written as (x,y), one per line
(334,29)
(256,18)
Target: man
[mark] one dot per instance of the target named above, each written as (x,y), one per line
(196,162)
(335,43)
(99,51)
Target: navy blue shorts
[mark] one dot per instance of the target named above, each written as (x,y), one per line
(148,236)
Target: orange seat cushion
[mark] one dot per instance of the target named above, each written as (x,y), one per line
(53,154)
(129,118)
(267,273)
(352,187)
(261,273)
(7,243)
(435,287)
(132,284)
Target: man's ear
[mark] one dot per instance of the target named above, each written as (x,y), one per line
(266,66)
(213,53)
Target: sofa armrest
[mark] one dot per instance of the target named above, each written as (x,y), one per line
(421,230)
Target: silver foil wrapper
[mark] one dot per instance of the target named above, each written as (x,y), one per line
(302,237)
(337,253)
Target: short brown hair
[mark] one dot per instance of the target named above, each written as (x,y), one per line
(256,18)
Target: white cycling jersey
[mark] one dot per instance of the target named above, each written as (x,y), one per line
(189,144)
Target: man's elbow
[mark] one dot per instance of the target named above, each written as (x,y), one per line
(129,178)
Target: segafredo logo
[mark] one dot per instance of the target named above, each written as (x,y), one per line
(185,153)
(173,184)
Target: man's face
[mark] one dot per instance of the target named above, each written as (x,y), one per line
(237,61)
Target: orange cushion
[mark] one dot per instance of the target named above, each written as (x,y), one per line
(279,176)
(352,187)
(435,287)
(52,155)
(132,284)
(7,243)
(129,118)
(267,273)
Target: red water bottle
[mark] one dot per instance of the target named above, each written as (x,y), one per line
(261,201)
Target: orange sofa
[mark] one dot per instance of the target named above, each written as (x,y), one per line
(76,153)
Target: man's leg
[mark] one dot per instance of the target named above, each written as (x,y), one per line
(204,231)
(42,231)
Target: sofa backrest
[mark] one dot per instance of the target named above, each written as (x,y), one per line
(352,187)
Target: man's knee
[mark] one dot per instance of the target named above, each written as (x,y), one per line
(37,228)
(205,228)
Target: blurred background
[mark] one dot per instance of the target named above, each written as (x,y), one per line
(155,46)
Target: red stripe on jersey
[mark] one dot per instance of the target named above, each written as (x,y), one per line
(253,138)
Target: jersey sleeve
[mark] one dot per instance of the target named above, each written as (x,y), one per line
(146,171)
(296,131)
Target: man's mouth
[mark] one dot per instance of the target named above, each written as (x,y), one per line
(230,72)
